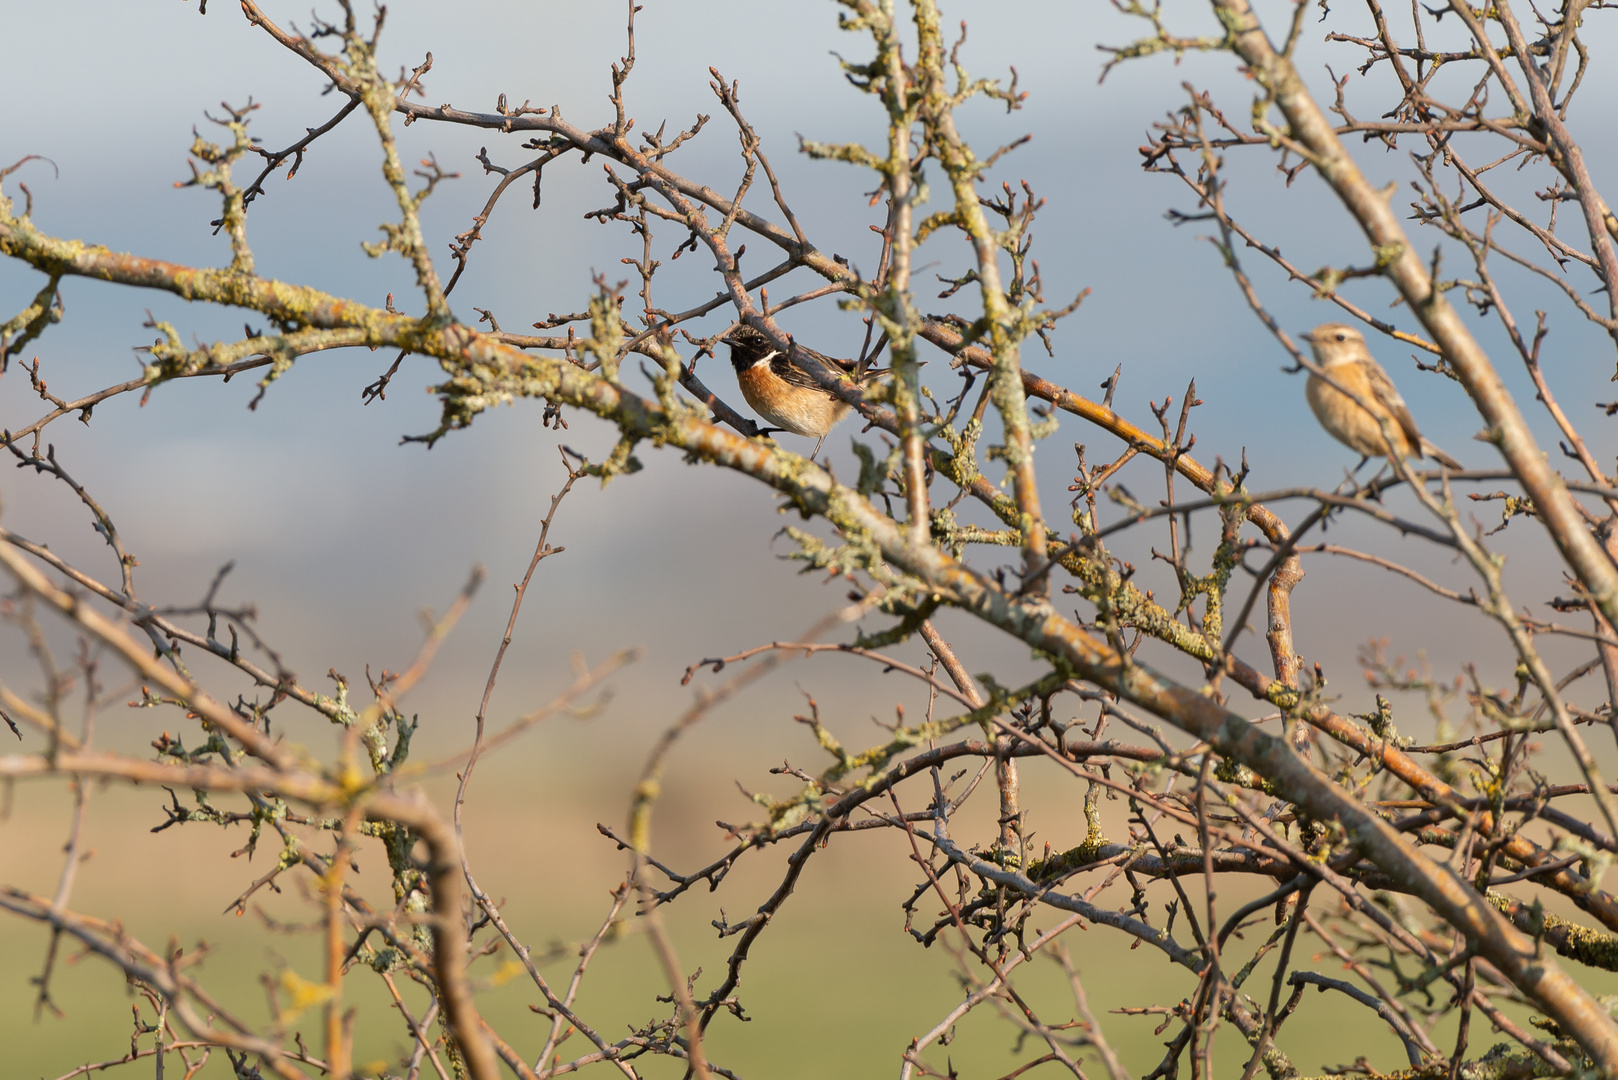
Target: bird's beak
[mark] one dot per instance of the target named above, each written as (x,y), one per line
(1308,336)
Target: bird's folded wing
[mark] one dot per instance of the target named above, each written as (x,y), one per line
(797,376)
(1382,387)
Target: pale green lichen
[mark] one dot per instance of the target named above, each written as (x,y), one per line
(1085,852)
(1581,944)
(31,321)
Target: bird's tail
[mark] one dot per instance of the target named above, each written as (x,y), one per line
(878,374)
(1429,450)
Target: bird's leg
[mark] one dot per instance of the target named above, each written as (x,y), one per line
(816,450)
(1376,494)
(1351,479)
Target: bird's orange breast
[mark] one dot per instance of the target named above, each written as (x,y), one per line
(1346,420)
(799,409)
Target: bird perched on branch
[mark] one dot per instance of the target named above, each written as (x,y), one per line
(783,393)
(1341,353)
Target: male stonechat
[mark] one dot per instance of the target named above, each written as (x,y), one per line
(783,393)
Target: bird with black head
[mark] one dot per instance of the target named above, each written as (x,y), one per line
(782,392)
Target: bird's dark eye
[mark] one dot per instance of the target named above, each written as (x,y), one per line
(1342,337)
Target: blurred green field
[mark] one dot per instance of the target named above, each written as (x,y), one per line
(834,988)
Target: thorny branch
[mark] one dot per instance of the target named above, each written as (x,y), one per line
(1415,846)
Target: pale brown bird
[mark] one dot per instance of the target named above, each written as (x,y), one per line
(783,393)
(1341,353)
